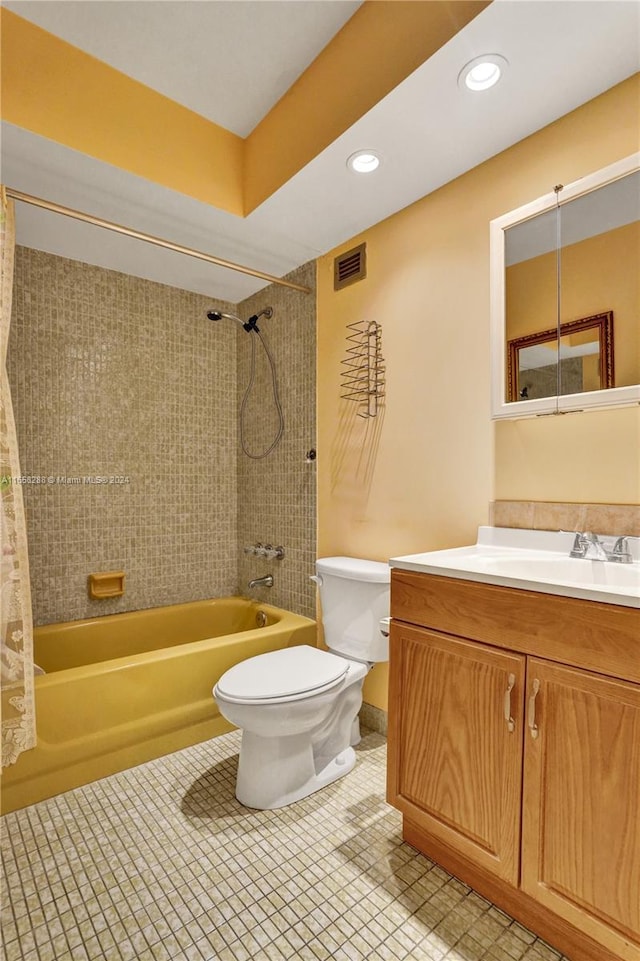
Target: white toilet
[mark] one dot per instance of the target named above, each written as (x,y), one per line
(298,707)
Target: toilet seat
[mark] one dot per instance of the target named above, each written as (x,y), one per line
(286,675)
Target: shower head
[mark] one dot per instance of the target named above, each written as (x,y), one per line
(250,325)
(219,315)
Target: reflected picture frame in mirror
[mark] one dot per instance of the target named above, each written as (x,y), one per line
(605,392)
(598,352)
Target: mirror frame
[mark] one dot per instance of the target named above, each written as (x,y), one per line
(602,322)
(501,409)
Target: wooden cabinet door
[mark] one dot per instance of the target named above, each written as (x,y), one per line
(455,762)
(581,816)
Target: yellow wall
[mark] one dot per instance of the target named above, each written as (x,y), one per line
(598,274)
(588,457)
(421,475)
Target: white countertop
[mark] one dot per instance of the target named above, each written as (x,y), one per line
(534,561)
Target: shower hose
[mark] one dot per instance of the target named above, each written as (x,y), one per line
(276,398)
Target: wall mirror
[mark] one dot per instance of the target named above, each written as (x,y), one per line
(565,297)
(540,365)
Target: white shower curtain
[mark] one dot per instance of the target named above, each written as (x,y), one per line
(16,629)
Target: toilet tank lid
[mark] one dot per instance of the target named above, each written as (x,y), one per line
(355,569)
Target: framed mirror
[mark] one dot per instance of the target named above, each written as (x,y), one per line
(539,366)
(565,297)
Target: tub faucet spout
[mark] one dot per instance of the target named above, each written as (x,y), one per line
(266,581)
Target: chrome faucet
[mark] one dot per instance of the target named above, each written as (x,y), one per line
(590,547)
(266,581)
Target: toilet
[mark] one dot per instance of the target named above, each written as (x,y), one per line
(298,707)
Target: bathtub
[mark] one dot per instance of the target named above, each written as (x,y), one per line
(126,688)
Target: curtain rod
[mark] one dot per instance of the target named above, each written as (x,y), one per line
(148,238)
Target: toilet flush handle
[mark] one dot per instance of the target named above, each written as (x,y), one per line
(317,578)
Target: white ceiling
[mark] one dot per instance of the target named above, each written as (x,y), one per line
(428,131)
(228,61)
(539,355)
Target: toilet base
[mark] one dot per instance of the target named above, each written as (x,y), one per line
(272,786)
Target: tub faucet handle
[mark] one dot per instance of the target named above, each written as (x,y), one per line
(274,553)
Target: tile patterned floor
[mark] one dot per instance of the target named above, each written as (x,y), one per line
(161,862)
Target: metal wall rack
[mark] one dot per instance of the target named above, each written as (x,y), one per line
(363,374)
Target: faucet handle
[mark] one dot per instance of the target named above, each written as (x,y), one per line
(580,543)
(274,553)
(620,551)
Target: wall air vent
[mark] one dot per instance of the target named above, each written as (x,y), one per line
(350,267)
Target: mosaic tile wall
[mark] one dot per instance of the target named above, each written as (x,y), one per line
(117,377)
(125,379)
(277,494)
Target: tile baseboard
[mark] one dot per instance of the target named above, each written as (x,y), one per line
(373,718)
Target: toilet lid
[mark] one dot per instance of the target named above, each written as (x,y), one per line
(281,674)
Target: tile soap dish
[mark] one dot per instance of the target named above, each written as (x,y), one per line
(106,584)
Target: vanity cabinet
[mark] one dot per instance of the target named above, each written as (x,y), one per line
(581,812)
(514,752)
(460,689)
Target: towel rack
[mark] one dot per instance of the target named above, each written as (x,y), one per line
(363,374)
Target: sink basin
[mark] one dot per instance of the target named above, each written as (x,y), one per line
(568,570)
(532,560)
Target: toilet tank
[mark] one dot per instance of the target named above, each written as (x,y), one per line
(354,594)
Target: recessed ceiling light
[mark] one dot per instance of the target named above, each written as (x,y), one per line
(363,162)
(482,72)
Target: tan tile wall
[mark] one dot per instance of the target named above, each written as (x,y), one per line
(277,495)
(543,515)
(116,376)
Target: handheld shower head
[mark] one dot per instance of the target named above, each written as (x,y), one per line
(250,325)
(219,315)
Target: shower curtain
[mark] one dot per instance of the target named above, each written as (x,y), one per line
(16,629)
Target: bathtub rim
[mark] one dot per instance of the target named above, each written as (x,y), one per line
(282,620)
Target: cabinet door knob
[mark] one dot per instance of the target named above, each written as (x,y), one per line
(531,714)
(511,724)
